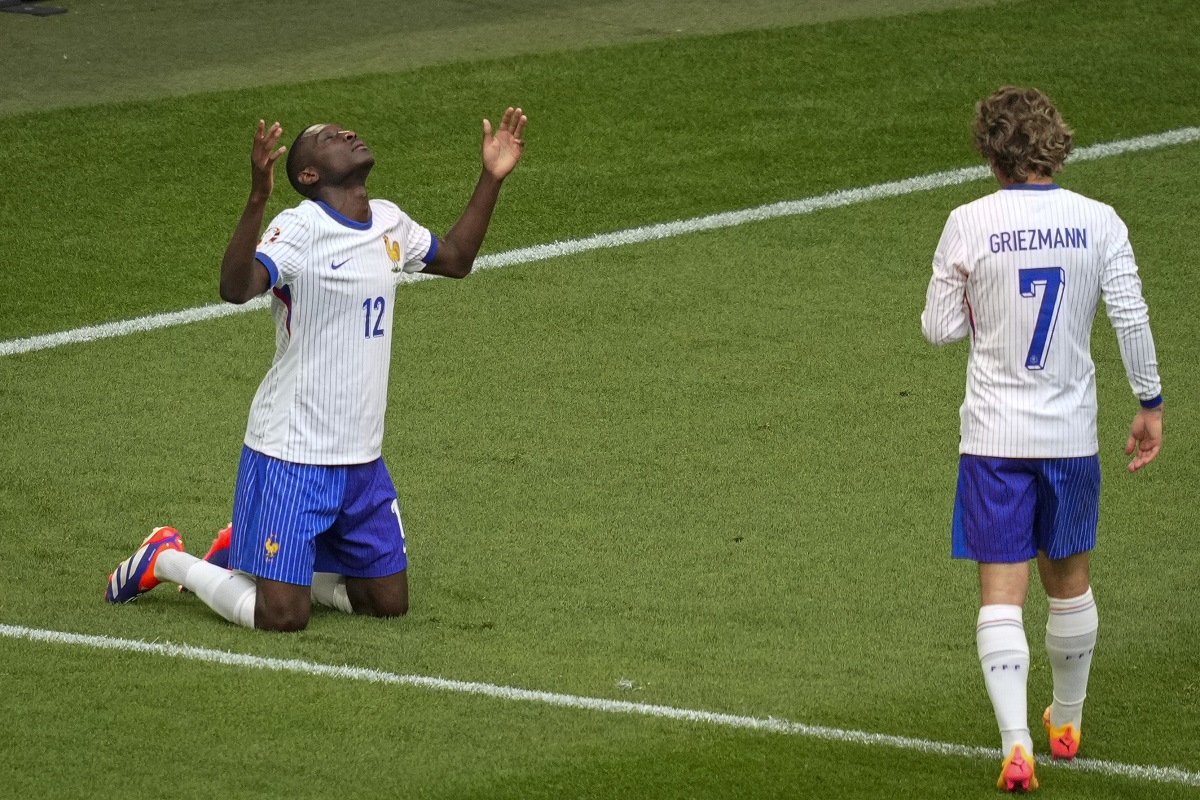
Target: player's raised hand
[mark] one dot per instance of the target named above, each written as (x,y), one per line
(1145,436)
(502,150)
(263,157)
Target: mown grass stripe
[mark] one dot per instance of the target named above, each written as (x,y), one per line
(646,233)
(1156,774)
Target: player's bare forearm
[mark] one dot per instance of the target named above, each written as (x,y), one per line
(461,243)
(468,232)
(500,153)
(242,277)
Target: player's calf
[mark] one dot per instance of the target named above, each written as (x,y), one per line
(379,597)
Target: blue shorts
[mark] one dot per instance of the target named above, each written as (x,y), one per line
(1007,509)
(290,520)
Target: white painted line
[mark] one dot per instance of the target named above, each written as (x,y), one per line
(128,326)
(665,230)
(768,724)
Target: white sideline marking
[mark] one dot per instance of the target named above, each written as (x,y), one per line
(665,230)
(768,724)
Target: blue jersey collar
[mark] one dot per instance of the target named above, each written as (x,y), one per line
(1033,187)
(349,223)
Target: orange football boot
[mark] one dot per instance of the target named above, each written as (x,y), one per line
(134,576)
(1064,740)
(219,552)
(1016,775)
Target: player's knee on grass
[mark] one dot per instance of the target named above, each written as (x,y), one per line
(379,597)
(281,607)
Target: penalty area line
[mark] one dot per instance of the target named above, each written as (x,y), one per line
(646,233)
(1172,775)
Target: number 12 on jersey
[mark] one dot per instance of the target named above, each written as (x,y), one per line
(1051,280)
(379,305)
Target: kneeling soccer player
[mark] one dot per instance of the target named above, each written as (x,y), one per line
(315,513)
(1021,271)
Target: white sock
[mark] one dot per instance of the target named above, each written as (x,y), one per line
(1004,656)
(230,594)
(1070,638)
(329,589)
(172,565)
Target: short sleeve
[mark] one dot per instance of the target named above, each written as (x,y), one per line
(284,246)
(420,245)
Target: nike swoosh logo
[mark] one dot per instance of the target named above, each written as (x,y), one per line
(339,266)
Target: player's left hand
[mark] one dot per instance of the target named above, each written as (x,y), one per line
(1145,436)
(502,150)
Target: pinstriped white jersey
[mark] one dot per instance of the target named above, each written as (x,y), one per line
(1021,272)
(333,283)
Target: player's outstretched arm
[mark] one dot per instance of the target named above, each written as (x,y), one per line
(242,276)
(500,153)
(1145,436)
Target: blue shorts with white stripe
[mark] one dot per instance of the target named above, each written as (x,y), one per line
(1007,509)
(290,520)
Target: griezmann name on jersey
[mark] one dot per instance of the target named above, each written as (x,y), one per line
(1021,272)
(333,282)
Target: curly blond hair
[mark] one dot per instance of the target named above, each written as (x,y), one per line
(1021,133)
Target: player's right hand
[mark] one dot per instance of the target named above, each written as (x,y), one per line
(1145,436)
(262,159)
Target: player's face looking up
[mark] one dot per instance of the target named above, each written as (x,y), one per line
(328,155)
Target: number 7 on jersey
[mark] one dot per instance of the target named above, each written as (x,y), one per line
(1051,280)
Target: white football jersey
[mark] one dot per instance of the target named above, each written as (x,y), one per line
(1021,272)
(333,282)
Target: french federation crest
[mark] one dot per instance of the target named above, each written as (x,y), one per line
(393,251)
(272,546)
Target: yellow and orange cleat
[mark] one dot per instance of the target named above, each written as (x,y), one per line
(1017,773)
(1064,740)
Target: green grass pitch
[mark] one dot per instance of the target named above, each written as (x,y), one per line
(712,472)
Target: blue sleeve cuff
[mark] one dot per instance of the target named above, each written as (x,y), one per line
(433,248)
(1152,403)
(272,270)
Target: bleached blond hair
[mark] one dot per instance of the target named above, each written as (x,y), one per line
(1021,133)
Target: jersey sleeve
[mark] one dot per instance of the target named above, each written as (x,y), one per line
(1121,289)
(284,246)
(420,245)
(946,317)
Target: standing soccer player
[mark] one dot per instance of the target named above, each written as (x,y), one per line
(1021,272)
(315,512)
